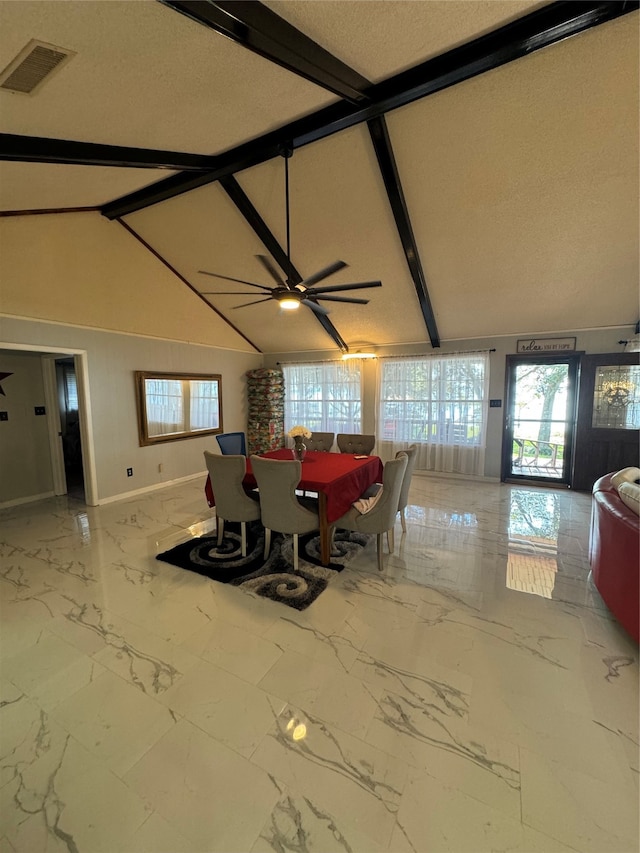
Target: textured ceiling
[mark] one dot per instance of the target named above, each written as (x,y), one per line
(387,36)
(521,184)
(145,76)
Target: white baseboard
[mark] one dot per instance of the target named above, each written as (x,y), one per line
(202,475)
(27,500)
(441,475)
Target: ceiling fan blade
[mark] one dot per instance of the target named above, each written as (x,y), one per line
(239,280)
(332,288)
(343,299)
(227,293)
(317,309)
(257,302)
(324,273)
(266,263)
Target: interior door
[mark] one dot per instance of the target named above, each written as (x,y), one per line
(539,418)
(608,429)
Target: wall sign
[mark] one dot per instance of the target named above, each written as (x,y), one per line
(535,345)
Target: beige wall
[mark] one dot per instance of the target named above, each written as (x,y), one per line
(590,341)
(80,268)
(25,459)
(75,282)
(112,360)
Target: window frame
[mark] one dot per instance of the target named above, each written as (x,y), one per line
(325,402)
(144,436)
(433,426)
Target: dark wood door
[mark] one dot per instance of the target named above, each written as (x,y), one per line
(607,434)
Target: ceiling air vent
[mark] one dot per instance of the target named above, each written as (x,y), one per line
(32,66)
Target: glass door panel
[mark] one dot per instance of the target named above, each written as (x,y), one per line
(539,423)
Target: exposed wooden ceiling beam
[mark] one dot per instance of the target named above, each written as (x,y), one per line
(48,211)
(37,149)
(256,27)
(389,170)
(518,39)
(260,227)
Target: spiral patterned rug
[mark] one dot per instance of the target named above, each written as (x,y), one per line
(274,577)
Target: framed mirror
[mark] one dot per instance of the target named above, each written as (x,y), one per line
(174,406)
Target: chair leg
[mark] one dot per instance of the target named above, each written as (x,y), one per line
(295,552)
(243,537)
(267,542)
(391,540)
(403,520)
(379,542)
(220,524)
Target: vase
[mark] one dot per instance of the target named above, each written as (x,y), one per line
(299,448)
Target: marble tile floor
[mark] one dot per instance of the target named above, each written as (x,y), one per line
(475,696)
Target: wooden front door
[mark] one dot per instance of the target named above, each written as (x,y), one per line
(607,432)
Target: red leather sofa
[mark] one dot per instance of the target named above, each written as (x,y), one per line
(614,553)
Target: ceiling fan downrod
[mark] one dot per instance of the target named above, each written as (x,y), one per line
(286,151)
(291,291)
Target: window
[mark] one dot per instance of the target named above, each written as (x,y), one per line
(616,400)
(324,397)
(70,388)
(439,403)
(174,406)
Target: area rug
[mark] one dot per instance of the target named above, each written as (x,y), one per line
(275,577)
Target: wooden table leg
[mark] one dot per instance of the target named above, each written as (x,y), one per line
(325,529)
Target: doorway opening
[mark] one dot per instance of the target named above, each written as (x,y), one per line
(49,355)
(540,418)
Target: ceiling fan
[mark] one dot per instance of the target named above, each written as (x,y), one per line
(287,293)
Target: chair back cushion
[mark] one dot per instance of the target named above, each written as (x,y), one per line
(226,474)
(277,481)
(411,453)
(355,443)
(232,443)
(320,441)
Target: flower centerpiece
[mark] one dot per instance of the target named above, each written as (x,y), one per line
(298,434)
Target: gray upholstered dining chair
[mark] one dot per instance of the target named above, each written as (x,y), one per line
(320,441)
(355,443)
(406,483)
(281,510)
(381,518)
(233,503)
(403,500)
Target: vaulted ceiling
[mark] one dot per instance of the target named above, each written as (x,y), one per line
(478,158)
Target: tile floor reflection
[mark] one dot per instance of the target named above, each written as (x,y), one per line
(476,696)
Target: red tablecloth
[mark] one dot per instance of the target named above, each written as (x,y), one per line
(340,476)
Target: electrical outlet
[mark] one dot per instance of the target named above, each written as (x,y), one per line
(129,472)
(4,416)
(160,468)
(40,410)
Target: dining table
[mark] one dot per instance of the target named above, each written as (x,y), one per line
(338,478)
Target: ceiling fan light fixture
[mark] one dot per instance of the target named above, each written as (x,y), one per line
(348,355)
(289,303)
